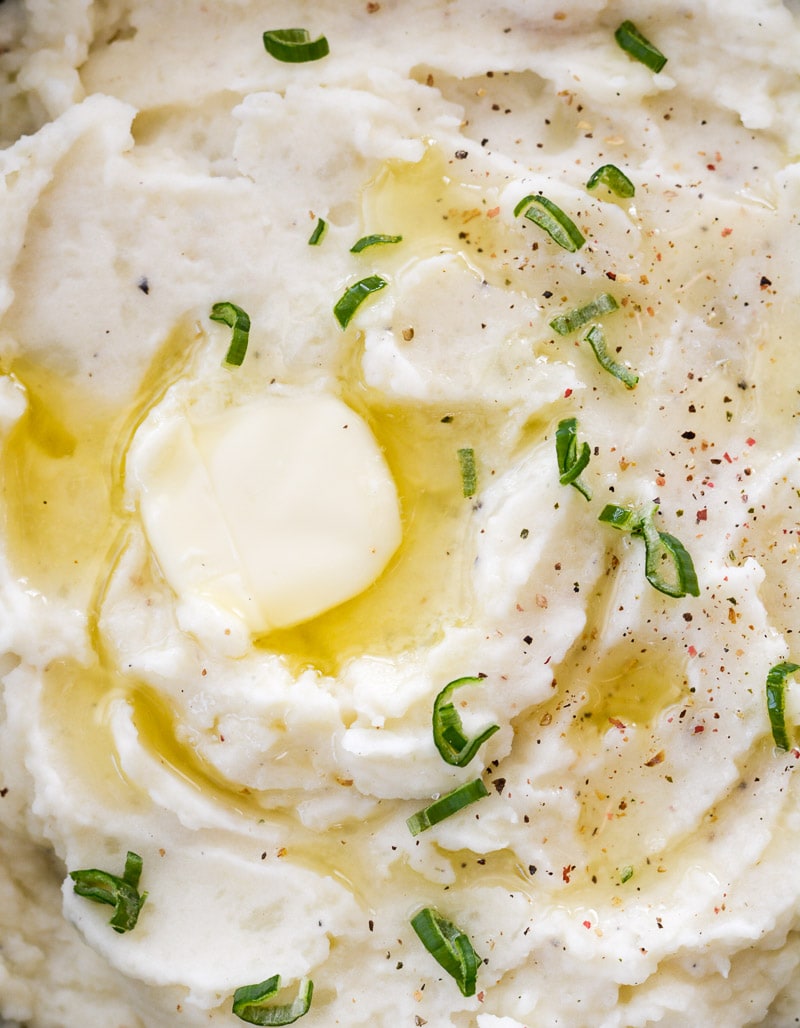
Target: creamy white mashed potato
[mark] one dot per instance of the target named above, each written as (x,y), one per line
(230,595)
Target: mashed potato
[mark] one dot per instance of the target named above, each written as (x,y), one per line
(545,449)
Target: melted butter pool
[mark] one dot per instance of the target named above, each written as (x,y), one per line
(437,213)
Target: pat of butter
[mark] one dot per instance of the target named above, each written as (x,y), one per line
(276,510)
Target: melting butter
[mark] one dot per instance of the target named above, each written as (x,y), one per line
(277,509)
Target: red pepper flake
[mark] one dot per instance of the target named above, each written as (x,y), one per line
(493,212)
(727,231)
(615,721)
(656,759)
(566,872)
(587,924)
(711,167)
(567,392)
(750,441)
(698,729)
(728,457)
(702,515)
(692,651)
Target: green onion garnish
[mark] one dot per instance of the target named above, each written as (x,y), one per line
(373,240)
(354,296)
(295,46)
(448,730)
(250,1002)
(449,946)
(237,319)
(446,806)
(553,220)
(776,701)
(469,473)
(319,231)
(571,462)
(595,337)
(634,43)
(580,316)
(626,519)
(668,566)
(616,180)
(120,893)
(626,874)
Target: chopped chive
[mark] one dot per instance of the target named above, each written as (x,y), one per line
(120,893)
(234,317)
(617,181)
(469,472)
(446,806)
(571,461)
(572,320)
(595,337)
(449,947)
(448,731)
(354,296)
(668,565)
(626,519)
(626,874)
(526,201)
(295,46)
(776,701)
(549,216)
(319,231)
(250,1003)
(634,43)
(373,240)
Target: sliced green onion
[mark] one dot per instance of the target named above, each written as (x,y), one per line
(469,472)
(616,180)
(580,316)
(449,947)
(571,461)
(295,46)
(526,201)
(448,730)
(626,519)
(634,43)
(776,701)
(595,337)
(319,231)
(120,893)
(446,806)
(549,216)
(250,1002)
(626,874)
(237,319)
(354,296)
(668,565)
(373,240)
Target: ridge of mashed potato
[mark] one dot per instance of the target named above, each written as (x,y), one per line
(632,861)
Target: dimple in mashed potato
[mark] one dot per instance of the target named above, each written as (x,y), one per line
(432,660)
